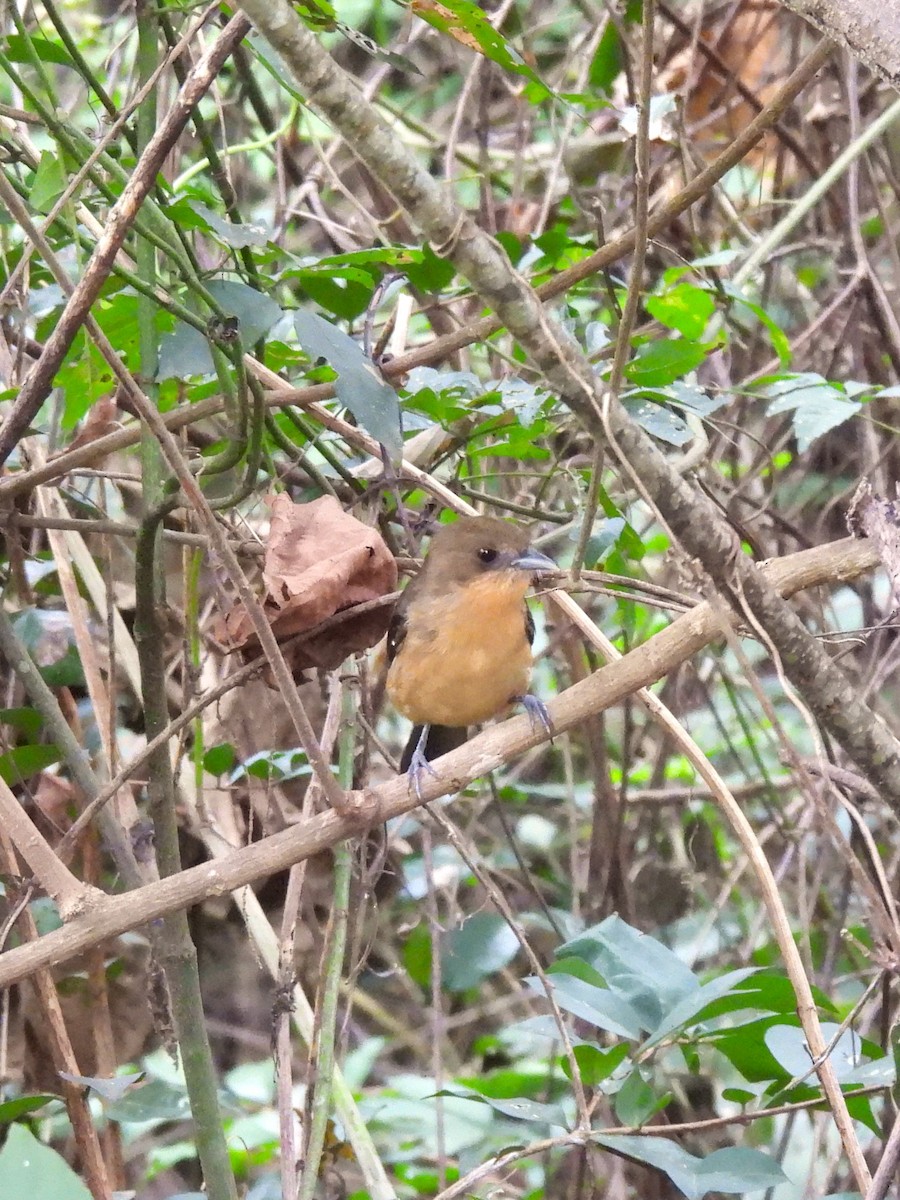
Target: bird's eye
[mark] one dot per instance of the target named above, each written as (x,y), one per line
(487,554)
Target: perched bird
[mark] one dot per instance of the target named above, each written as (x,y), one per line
(459,642)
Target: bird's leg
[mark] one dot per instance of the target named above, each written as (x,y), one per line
(419,764)
(538,713)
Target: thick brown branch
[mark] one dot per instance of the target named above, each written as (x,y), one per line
(491,749)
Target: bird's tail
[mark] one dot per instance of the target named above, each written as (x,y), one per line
(441,740)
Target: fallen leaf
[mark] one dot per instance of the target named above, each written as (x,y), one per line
(319,561)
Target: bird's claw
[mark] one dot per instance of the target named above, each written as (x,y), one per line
(419,765)
(538,714)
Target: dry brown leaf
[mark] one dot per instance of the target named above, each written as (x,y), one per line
(319,561)
(102,418)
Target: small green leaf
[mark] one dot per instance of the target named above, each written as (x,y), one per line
(27,720)
(219,759)
(730,1170)
(684,308)
(231,234)
(788,1045)
(659,421)
(28,1168)
(255,311)
(818,406)
(598,1006)
(780,343)
(483,946)
(359,387)
(660,362)
(595,1065)
(184,353)
(606,65)
(49,182)
(21,1106)
(20,49)
(153,1101)
(21,762)
(688,1008)
(636,1102)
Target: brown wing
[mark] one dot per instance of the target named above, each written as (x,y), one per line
(396,634)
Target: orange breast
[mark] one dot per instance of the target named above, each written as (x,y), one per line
(465,656)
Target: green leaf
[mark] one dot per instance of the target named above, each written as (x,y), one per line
(28,1168)
(660,362)
(684,308)
(359,387)
(430,273)
(595,1065)
(520,1108)
(730,1170)
(636,1101)
(818,406)
(659,421)
(606,65)
(745,1048)
(484,945)
(598,1006)
(343,291)
(11,1110)
(49,182)
(635,966)
(780,343)
(20,49)
(255,311)
(468,24)
(371,47)
(235,235)
(273,764)
(788,1045)
(688,1008)
(184,353)
(21,762)
(27,720)
(157,1100)
(417,956)
(219,759)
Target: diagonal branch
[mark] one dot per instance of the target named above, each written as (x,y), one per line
(692,519)
(486,752)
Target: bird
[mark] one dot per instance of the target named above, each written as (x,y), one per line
(459,641)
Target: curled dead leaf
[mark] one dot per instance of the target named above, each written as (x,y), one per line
(319,561)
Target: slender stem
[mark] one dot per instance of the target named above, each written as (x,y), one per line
(324,1048)
(75,756)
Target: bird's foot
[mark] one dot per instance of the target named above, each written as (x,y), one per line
(419,765)
(538,714)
